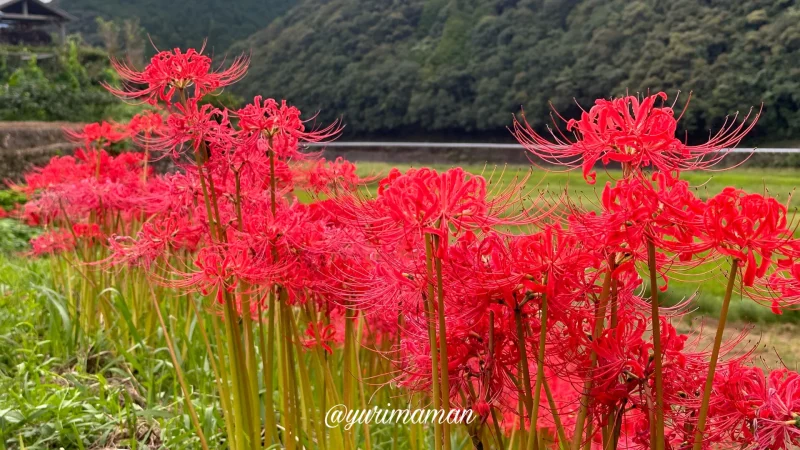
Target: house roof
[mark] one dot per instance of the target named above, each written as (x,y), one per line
(36,10)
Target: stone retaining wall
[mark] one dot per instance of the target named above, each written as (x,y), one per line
(24,145)
(421,156)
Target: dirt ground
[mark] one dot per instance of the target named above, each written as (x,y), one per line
(773,345)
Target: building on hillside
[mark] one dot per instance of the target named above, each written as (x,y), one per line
(32,22)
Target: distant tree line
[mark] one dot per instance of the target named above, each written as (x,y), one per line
(178,23)
(464,66)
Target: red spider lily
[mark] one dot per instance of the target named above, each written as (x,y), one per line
(636,212)
(555,258)
(98,134)
(328,176)
(174,195)
(87,231)
(623,366)
(155,240)
(787,284)
(71,188)
(777,421)
(482,409)
(216,229)
(636,134)
(84,164)
(424,198)
(54,241)
(175,71)
(215,274)
(451,202)
(667,209)
(145,124)
(751,228)
(565,396)
(264,121)
(60,169)
(196,125)
(758,409)
(327,334)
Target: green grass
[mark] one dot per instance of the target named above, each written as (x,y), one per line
(14,235)
(777,182)
(55,393)
(9,199)
(58,390)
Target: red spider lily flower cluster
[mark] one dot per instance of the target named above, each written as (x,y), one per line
(750,228)
(633,132)
(175,71)
(97,135)
(534,314)
(756,408)
(145,125)
(88,196)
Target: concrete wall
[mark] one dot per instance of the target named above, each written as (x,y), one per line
(421,155)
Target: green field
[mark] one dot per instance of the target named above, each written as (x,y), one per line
(779,183)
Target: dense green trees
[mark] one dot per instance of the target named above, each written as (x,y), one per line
(441,66)
(464,66)
(64,86)
(180,23)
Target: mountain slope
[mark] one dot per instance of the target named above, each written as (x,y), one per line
(183,23)
(442,66)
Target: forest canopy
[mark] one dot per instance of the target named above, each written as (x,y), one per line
(180,23)
(460,68)
(464,66)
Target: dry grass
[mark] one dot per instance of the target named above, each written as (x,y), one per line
(773,345)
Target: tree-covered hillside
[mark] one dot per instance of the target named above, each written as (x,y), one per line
(64,86)
(183,23)
(441,66)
